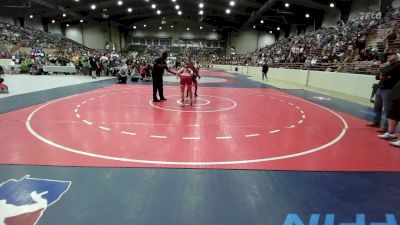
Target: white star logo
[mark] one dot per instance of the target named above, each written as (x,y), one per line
(322,98)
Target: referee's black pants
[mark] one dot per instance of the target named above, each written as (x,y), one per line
(158,86)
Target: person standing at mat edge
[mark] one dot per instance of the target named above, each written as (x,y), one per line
(160,65)
(388,77)
(265,71)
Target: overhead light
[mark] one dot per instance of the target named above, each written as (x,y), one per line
(261,21)
(177,6)
(76,0)
(81,21)
(146,0)
(332,5)
(201,12)
(201,28)
(179,12)
(307,15)
(172,26)
(232,3)
(287,5)
(134,27)
(228,11)
(213,30)
(160,28)
(201,5)
(31,16)
(93,6)
(270,31)
(188,28)
(53,21)
(120,2)
(254,27)
(158,12)
(64,15)
(278,28)
(173,0)
(153,6)
(144,25)
(67,25)
(130,10)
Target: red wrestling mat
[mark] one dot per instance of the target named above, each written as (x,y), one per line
(226,128)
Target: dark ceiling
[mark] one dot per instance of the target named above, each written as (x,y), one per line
(245,13)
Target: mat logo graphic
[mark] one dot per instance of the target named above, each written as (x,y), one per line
(23,202)
(294,219)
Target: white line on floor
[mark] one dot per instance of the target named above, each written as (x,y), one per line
(92,99)
(155,136)
(301,121)
(252,135)
(302,112)
(291,103)
(76,110)
(223,137)
(128,133)
(293,126)
(304,116)
(84,102)
(104,128)
(191,138)
(274,131)
(78,106)
(87,122)
(78,116)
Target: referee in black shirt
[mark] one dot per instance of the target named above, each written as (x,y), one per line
(160,65)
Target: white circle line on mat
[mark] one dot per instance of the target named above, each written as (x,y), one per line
(68,149)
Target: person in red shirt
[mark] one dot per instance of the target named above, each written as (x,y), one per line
(3,87)
(185,74)
(143,71)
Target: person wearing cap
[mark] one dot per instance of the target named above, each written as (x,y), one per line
(159,66)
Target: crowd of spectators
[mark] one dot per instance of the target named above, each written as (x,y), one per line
(334,46)
(33,38)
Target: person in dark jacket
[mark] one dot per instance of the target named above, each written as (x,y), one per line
(388,78)
(265,71)
(160,65)
(394,111)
